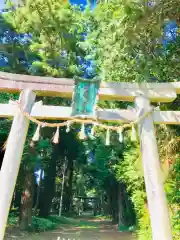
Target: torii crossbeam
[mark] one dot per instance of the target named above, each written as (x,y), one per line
(141,94)
(63,87)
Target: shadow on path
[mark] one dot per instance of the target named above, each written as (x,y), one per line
(95,230)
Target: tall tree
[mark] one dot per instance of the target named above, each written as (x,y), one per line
(49,184)
(51,26)
(132,40)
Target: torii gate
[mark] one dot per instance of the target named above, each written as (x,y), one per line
(141,94)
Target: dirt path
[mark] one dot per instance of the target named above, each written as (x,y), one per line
(103,231)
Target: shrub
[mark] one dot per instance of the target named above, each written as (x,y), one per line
(12,220)
(41,225)
(61,220)
(176,226)
(129,171)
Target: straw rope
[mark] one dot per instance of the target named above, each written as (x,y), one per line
(81,121)
(69,122)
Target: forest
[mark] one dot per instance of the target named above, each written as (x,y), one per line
(119,41)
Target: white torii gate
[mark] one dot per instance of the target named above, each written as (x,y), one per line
(141,94)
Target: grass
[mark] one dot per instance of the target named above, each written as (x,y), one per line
(83,224)
(126,229)
(62,220)
(54,221)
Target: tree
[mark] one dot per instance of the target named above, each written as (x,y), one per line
(138,41)
(40,40)
(51,26)
(15,55)
(49,184)
(125,39)
(128,37)
(36,155)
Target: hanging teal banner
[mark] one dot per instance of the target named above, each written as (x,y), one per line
(85,97)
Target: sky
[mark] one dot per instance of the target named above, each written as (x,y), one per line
(1,4)
(72,1)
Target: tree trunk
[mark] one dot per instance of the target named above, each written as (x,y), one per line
(27,201)
(62,190)
(17,198)
(68,186)
(114,202)
(49,184)
(130,218)
(112,191)
(121,221)
(38,193)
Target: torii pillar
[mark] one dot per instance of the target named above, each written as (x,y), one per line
(157,202)
(12,158)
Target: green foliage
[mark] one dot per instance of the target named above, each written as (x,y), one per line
(127,36)
(41,225)
(125,39)
(129,171)
(176,225)
(14,51)
(61,219)
(12,220)
(126,229)
(51,25)
(173,195)
(5,97)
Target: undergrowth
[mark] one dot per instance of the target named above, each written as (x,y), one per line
(12,220)
(41,225)
(52,222)
(129,171)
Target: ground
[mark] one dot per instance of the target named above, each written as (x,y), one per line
(95,230)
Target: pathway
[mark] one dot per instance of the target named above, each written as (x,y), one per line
(103,231)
